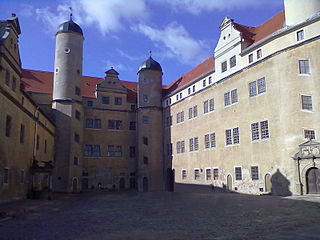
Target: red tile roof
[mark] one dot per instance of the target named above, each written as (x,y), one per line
(255,34)
(42,82)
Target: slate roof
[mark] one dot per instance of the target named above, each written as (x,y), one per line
(70,26)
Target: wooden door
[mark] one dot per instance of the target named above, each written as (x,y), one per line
(313,180)
(267,182)
(229,183)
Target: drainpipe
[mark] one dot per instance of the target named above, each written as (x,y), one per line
(300,182)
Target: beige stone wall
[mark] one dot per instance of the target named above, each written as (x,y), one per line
(280,105)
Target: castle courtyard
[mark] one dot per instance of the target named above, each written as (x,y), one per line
(162,215)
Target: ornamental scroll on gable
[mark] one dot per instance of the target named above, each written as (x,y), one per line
(308,150)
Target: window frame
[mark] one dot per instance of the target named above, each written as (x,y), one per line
(306,105)
(304,66)
(238,175)
(256,176)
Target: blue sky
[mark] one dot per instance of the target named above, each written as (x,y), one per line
(119,33)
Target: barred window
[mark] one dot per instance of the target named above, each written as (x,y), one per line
(190,113)
(88,150)
(238,173)
(236,139)
(117,101)
(182,116)
(228,137)
(105,100)
(304,66)
(196,174)
(215,174)
(211,104)
(261,85)
(184,174)
(227,99)
(213,140)
(233,61)
(264,129)
(191,144)
(206,141)
(255,131)
(196,144)
(309,134)
(89,123)
(195,111)
(208,174)
(182,147)
(132,126)
(205,106)
(224,66)
(97,123)
(178,147)
(96,150)
(306,102)
(253,89)
(254,173)
(234,96)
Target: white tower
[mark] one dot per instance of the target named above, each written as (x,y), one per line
(297,11)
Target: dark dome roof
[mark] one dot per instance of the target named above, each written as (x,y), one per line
(69,26)
(150,64)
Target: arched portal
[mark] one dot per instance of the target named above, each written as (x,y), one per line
(313,180)
(145,184)
(229,183)
(267,183)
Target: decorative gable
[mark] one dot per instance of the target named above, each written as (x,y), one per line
(111,83)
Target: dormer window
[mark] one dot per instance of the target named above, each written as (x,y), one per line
(259,53)
(251,58)
(233,62)
(224,66)
(300,35)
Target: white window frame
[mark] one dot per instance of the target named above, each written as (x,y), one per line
(182,170)
(194,173)
(308,129)
(235,174)
(299,68)
(301,101)
(213,178)
(208,168)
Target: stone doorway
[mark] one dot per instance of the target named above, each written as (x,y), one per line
(313,180)
(145,184)
(122,183)
(267,183)
(75,185)
(229,183)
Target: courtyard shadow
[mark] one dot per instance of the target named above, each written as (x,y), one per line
(280,185)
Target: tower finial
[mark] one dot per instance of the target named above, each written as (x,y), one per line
(70,13)
(150,53)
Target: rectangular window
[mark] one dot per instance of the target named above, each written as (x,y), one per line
(76,137)
(77,91)
(88,150)
(6,176)
(105,100)
(133,107)
(236,139)
(22,175)
(178,117)
(205,106)
(210,80)
(132,151)
(110,151)
(208,174)
(254,173)
(215,174)
(195,111)
(145,160)
(264,129)
(8,125)
(75,161)
(190,113)
(227,99)
(234,96)
(181,95)
(145,98)
(38,142)
(238,173)
(182,116)
(233,61)
(132,126)
(78,115)
(184,174)
(213,140)
(300,35)
(182,147)
(118,151)
(96,150)
(255,131)
(145,140)
(14,84)
(228,137)
(97,123)
(117,101)
(304,66)
(211,104)
(193,88)
(22,130)
(89,103)
(261,85)
(45,146)
(114,124)
(309,134)
(7,78)
(224,66)
(89,123)
(250,58)
(191,144)
(206,141)
(253,89)
(259,53)
(189,90)
(178,147)
(196,174)
(306,102)
(145,119)
(204,83)
(177,97)
(196,144)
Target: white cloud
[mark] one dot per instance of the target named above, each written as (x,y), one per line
(128,56)
(117,66)
(175,42)
(198,6)
(107,16)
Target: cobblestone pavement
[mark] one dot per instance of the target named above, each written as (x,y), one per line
(130,215)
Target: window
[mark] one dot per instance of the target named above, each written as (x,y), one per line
(304,66)
(114,151)
(190,113)
(76,137)
(204,83)
(145,160)
(38,142)
(189,90)
(182,147)
(261,85)
(6,176)
(309,134)
(253,89)
(145,119)
(227,99)
(228,137)
(22,175)
(234,96)
(215,174)
(8,125)
(77,91)
(45,146)
(7,78)
(208,174)
(145,99)
(22,128)
(14,84)
(195,111)
(89,103)
(96,151)
(255,131)
(193,88)
(78,115)
(233,61)
(180,117)
(238,173)
(210,80)
(145,140)
(184,174)
(132,151)
(224,66)
(105,100)
(88,150)
(75,161)
(300,35)
(114,124)
(132,126)
(211,104)
(259,53)
(234,135)
(177,97)
(133,107)
(178,147)
(191,144)
(206,141)
(254,173)
(169,121)
(117,101)
(306,102)
(97,123)
(118,152)
(250,58)
(213,140)
(264,129)
(205,106)
(181,95)
(196,174)
(89,123)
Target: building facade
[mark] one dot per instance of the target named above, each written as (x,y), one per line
(244,120)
